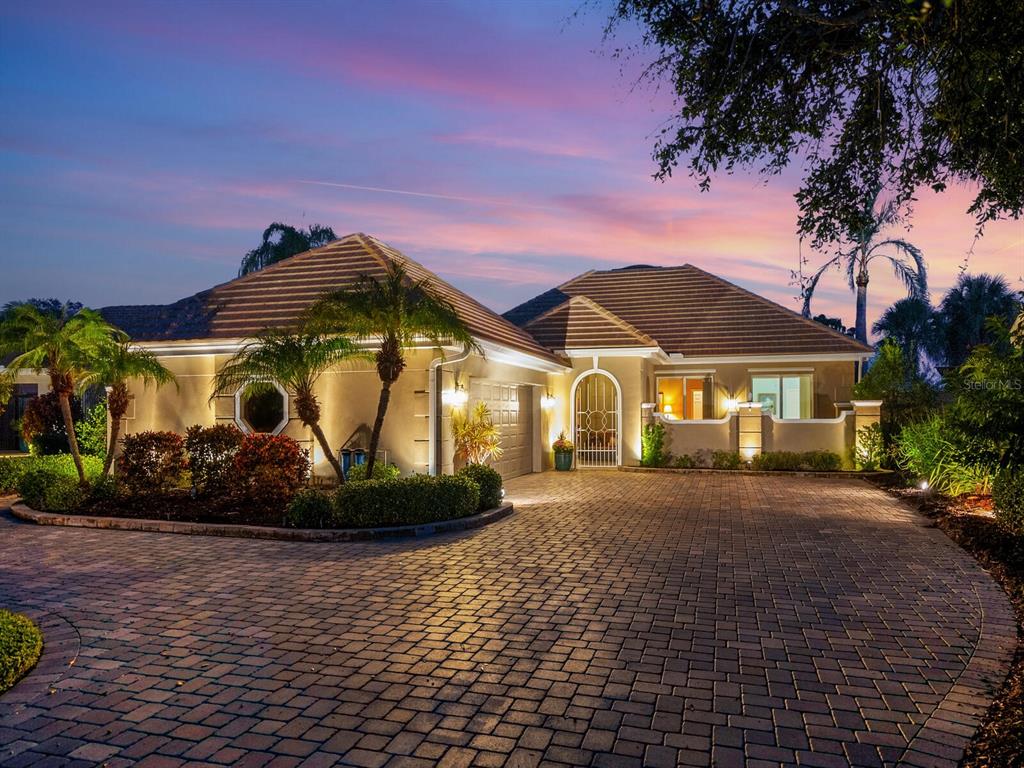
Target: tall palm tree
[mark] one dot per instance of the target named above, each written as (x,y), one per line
(296,360)
(395,311)
(281,241)
(115,369)
(966,307)
(912,324)
(865,246)
(66,345)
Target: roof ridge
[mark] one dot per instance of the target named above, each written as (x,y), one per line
(775,305)
(572,280)
(605,313)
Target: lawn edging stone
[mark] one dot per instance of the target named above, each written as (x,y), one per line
(27,514)
(840,474)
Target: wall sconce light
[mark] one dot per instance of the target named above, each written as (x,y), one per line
(456,398)
(667,409)
(547,400)
(732,404)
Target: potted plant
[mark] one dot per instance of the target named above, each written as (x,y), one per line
(563,449)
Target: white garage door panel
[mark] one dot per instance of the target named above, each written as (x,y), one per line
(512,412)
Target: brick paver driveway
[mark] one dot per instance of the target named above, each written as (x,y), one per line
(615,619)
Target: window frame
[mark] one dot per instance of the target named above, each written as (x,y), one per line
(779,377)
(243,425)
(684,377)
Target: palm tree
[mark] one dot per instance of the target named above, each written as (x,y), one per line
(65,344)
(281,241)
(966,307)
(6,390)
(913,326)
(114,370)
(865,246)
(295,360)
(395,311)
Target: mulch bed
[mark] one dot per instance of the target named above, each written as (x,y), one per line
(182,507)
(969,521)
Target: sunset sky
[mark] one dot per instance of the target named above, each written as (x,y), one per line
(144,147)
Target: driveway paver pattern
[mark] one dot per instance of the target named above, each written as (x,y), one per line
(615,619)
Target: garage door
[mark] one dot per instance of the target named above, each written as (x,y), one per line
(512,411)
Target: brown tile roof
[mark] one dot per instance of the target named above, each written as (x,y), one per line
(693,313)
(276,295)
(580,323)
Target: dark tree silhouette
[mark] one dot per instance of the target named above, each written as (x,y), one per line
(281,241)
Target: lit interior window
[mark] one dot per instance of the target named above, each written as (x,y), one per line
(681,397)
(787,397)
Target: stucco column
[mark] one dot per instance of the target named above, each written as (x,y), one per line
(865,414)
(749,430)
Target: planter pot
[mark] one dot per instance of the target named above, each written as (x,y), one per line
(563,461)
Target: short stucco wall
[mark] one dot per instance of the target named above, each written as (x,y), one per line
(834,435)
(692,436)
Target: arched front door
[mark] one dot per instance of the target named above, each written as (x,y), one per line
(596,415)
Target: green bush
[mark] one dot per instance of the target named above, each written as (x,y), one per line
(269,470)
(152,462)
(405,501)
(652,445)
(91,431)
(211,455)
(13,468)
(49,490)
(817,461)
(870,448)
(21,642)
(686,461)
(381,471)
(489,481)
(1008,497)
(726,460)
(310,508)
(949,458)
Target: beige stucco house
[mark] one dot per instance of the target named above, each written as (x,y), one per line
(596,357)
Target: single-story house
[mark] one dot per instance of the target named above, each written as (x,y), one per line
(598,356)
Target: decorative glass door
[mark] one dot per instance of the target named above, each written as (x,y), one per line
(596,414)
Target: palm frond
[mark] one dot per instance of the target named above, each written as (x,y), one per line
(812,283)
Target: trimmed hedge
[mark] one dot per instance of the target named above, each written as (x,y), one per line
(50,491)
(489,481)
(381,471)
(13,468)
(726,460)
(405,501)
(817,461)
(310,509)
(1008,498)
(21,642)
(152,462)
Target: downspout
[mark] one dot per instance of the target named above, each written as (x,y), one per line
(436,406)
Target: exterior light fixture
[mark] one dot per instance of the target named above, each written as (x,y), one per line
(732,404)
(924,485)
(547,400)
(503,493)
(748,453)
(456,398)
(668,409)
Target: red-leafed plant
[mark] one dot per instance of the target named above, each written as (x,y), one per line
(270,469)
(152,462)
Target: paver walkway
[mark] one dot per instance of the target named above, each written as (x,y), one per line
(616,619)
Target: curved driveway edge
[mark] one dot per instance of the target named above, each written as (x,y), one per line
(617,619)
(26,513)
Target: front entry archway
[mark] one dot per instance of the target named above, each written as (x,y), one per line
(597,419)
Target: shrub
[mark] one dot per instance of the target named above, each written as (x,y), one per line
(818,461)
(13,468)
(211,455)
(91,431)
(726,460)
(870,448)
(1008,498)
(270,469)
(152,462)
(406,501)
(310,509)
(381,471)
(489,481)
(50,490)
(42,424)
(686,461)
(652,445)
(950,459)
(21,642)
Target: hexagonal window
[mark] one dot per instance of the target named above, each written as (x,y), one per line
(261,408)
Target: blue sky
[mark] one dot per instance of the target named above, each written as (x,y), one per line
(144,147)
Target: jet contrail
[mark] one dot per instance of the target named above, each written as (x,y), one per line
(476,200)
